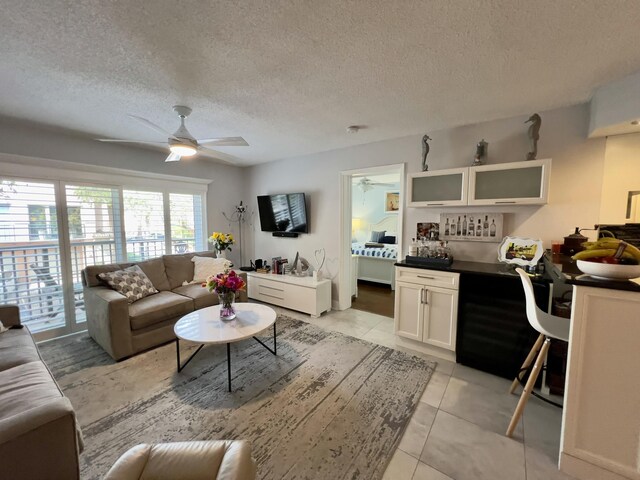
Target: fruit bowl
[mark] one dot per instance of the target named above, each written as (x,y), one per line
(607,271)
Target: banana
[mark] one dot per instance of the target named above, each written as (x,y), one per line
(608,243)
(603,252)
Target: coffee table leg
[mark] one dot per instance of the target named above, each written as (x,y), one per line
(275,346)
(180,367)
(229,364)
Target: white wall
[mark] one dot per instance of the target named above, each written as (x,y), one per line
(614,106)
(225,190)
(574,198)
(621,175)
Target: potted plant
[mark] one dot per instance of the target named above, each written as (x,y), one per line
(226,285)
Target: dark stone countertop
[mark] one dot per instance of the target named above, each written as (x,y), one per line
(479,268)
(563,268)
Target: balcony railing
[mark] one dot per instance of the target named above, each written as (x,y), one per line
(31,273)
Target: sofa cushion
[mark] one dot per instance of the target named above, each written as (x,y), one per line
(130,282)
(200,295)
(91,273)
(25,387)
(17,348)
(158,308)
(180,269)
(154,269)
(205,267)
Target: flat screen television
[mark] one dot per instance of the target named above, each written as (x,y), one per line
(285,212)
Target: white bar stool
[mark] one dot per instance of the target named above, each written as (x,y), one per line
(549,326)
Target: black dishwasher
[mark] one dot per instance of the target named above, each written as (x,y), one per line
(494,334)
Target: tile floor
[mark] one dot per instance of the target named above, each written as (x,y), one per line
(457,430)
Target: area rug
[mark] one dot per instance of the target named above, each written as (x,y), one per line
(328,406)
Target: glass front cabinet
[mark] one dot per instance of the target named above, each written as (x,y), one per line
(517,183)
(438,188)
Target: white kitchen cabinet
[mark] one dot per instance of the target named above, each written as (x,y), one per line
(438,188)
(517,183)
(426,307)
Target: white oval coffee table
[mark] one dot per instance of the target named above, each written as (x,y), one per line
(205,327)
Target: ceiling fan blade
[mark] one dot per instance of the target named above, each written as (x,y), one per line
(173,157)
(117,140)
(152,126)
(223,157)
(224,142)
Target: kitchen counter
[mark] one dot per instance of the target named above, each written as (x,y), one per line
(563,268)
(459,266)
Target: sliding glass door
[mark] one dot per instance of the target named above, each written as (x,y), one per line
(51,231)
(30,260)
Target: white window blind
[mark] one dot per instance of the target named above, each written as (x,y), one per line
(144,224)
(93,215)
(30,265)
(185,212)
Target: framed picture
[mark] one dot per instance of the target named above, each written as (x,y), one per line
(428,230)
(471,227)
(391,202)
(520,251)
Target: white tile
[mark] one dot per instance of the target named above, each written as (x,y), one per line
(381,338)
(482,378)
(435,389)
(444,366)
(487,408)
(415,436)
(401,466)
(540,467)
(425,472)
(385,325)
(542,424)
(465,451)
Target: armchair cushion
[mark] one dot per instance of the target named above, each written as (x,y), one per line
(158,308)
(200,295)
(203,460)
(155,271)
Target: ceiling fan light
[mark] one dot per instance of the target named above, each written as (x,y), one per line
(182,150)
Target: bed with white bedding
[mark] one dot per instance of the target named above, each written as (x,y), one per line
(376,264)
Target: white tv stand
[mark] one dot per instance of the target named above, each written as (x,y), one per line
(303,294)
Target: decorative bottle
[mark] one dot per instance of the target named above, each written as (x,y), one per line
(479,229)
(446,227)
(485,230)
(413,248)
(492,228)
(453,227)
(464,226)
(459,228)
(471,226)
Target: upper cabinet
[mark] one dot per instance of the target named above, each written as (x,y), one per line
(517,183)
(439,188)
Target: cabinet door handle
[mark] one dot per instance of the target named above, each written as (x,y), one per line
(425,292)
(504,202)
(434,204)
(425,276)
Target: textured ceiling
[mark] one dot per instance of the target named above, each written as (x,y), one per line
(290,76)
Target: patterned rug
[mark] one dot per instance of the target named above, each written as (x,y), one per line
(329,406)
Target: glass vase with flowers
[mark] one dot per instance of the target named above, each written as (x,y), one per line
(226,285)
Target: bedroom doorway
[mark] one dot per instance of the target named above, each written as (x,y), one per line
(372,211)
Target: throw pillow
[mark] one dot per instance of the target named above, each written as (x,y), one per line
(376,236)
(130,282)
(204,267)
(388,239)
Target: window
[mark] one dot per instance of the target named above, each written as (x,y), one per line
(185,212)
(30,261)
(144,224)
(101,225)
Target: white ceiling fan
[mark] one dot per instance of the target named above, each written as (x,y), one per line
(365,184)
(181,143)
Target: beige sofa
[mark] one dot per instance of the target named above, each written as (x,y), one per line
(124,329)
(197,460)
(38,430)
